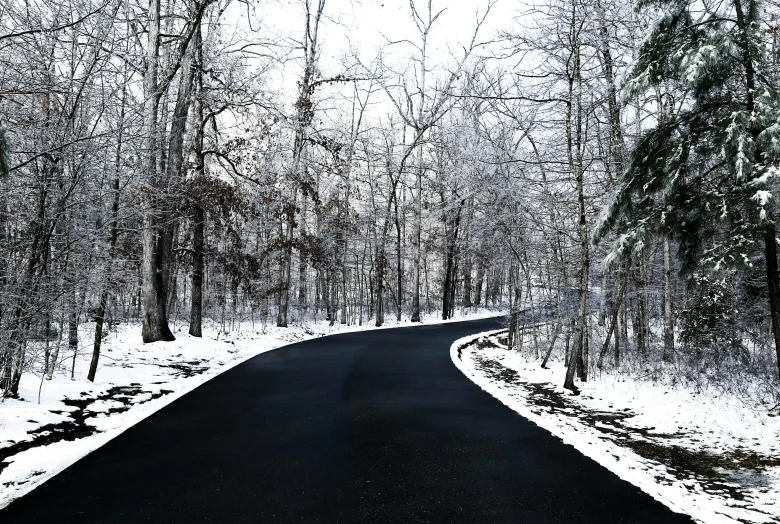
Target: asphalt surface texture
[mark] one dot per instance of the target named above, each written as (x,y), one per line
(375,426)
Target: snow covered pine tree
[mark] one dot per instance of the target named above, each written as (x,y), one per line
(707,173)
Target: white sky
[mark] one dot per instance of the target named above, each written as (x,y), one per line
(368,25)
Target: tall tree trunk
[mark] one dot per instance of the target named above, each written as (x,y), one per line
(399,271)
(73,323)
(284,286)
(773,283)
(417,247)
(104,295)
(155,257)
(621,335)
(479,282)
(668,354)
(642,310)
(198,248)
(380,287)
(382,263)
(371,294)
(302,262)
(515,297)
(617,304)
(467,284)
(199,212)
(101,313)
(576,361)
(449,272)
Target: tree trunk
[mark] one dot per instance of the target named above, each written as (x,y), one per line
(576,362)
(104,295)
(93,363)
(154,263)
(198,247)
(284,285)
(417,250)
(553,338)
(773,283)
(449,273)
(668,354)
(467,283)
(480,278)
(399,272)
(621,335)
(617,305)
(199,212)
(380,286)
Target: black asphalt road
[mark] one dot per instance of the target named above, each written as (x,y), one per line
(377,426)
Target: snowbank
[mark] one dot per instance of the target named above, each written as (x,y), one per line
(708,455)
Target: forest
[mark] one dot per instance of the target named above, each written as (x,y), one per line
(603,173)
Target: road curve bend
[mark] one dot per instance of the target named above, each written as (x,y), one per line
(374,427)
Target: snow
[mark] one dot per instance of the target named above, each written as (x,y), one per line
(762,197)
(133,381)
(634,414)
(695,66)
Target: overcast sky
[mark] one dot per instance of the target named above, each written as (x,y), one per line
(368,26)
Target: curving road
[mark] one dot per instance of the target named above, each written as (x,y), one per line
(376,426)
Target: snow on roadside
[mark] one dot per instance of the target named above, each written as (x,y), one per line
(38,439)
(707,455)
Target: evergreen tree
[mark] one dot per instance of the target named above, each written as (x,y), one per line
(707,172)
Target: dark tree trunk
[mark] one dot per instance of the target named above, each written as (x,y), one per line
(380,286)
(467,285)
(302,282)
(479,282)
(154,263)
(155,295)
(617,305)
(576,362)
(159,216)
(199,212)
(101,313)
(773,283)
(371,295)
(449,272)
(453,287)
(198,246)
(668,354)
(399,266)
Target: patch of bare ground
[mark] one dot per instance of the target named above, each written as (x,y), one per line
(77,427)
(187,369)
(725,473)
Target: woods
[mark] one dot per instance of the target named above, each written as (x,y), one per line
(609,171)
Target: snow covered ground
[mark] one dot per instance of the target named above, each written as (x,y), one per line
(57,422)
(704,453)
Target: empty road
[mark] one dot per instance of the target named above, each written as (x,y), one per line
(376,426)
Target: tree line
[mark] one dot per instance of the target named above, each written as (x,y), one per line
(604,172)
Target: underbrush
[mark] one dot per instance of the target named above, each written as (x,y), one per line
(747,371)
